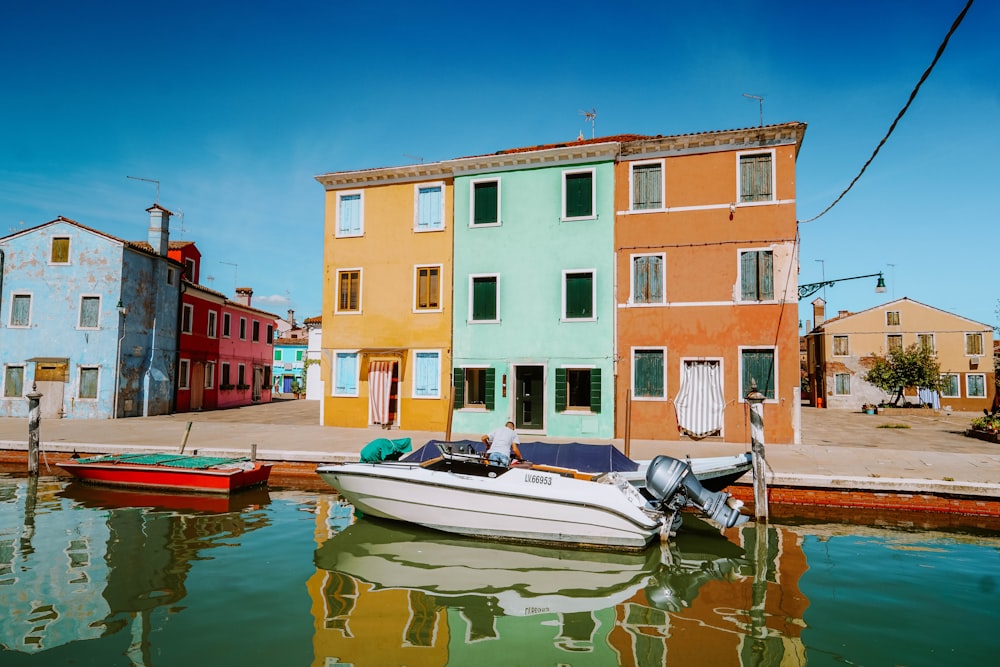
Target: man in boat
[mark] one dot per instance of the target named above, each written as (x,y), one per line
(501,443)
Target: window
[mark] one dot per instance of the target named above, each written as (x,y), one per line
(88,381)
(975,385)
(649,376)
(277,355)
(227,321)
(578,389)
(842,384)
(243,328)
(350,214)
(926,342)
(757,275)
(13,382)
(578,295)
(428,288)
(427,374)
(270,334)
(187,316)
(483,298)
(349,300)
(20,311)
(241,376)
(90,312)
(949,385)
(974,344)
(485,202)
(894,342)
(578,194)
(475,388)
(298,355)
(345,382)
(184,374)
(171,275)
(647,186)
(189,267)
(648,278)
(892,318)
(213,324)
(755,177)
(224,380)
(841,347)
(209,375)
(429,207)
(60,250)
(757,364)
(255,329)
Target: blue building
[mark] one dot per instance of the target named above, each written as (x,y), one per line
(289,365)
(88,320)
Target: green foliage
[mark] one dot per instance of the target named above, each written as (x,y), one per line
(914,366)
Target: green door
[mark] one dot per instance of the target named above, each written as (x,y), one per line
(529,402)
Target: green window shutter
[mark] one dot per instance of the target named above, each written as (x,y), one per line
(560,390)
(579,195)
(765,269)
(459,388)
(759,365)
(485,203)
(491,388)
(484,298)
(748,276)
(648,373)
(579,295)
(595,390)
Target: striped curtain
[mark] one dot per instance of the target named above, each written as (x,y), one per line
(379,387)
(700,403)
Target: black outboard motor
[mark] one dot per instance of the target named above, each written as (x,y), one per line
(666,477)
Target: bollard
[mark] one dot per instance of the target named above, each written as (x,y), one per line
(34,417)
(756,401)
(253,452)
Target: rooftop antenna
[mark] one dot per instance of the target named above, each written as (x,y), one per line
(181,213)
(149,180)
(590,116)
(760,100)
(236,271)
(414,157)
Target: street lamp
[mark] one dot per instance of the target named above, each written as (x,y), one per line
(811,288)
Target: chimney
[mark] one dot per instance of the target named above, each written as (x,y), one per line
(819,311)
(843,313)
(291,317)
(159,229)
(243,295)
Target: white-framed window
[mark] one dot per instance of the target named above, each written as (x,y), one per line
(187,318)
(892,318)
(209,375)
(184,374)
(350,213)
(894,342)
(428,207)
(227,323)
(842,384)
(89,376)
(755,177)
(348,291)
(841,346)
(484,195)
(647,185)
(950,386)
(975,385)
(243,328)
(13,381)
(427,374)
(579,294)
(60,250)
(90,312)
(756,275)
(189,270)
(926,342)
(648,279)
(484,297)
(427,288)
(255,331)
(475,388)
(759,364)
(973,344)
(649,373)
(579,194)
(213,324)
(578,389)
(20,311)
(345,372)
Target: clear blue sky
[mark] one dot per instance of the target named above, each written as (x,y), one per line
(235,106)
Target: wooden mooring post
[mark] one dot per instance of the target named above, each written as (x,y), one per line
(756,401)
(34,419)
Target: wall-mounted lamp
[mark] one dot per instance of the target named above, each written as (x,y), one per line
(812,288)
(122,309)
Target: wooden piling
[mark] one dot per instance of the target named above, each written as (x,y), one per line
(34,420)
(756,401)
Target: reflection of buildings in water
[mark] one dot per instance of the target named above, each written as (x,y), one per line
(95,567)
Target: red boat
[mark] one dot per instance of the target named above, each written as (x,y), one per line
(170,472)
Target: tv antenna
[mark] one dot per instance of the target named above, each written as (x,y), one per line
(236,272)
(414,157)
(590,116)
(182,230)
(149,180)
(760,100)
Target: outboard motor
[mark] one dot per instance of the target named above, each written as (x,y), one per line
(667,477)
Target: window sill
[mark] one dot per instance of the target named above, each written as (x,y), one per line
(578,219)
(474,408)
(577,319)
(474,225)
(579,411)
(429,229)
(482,321)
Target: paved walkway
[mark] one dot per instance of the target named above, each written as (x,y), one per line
(839,449)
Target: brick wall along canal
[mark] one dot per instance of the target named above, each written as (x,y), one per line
(90,576)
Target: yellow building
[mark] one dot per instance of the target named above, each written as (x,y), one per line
(386,343)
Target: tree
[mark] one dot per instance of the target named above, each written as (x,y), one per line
(901,369)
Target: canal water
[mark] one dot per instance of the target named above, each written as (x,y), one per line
(91,576)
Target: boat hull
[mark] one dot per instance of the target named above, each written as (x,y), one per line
(168,479)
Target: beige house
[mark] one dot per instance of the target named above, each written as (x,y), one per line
(839,352)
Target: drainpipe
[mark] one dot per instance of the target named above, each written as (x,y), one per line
(123,311)
(146,377)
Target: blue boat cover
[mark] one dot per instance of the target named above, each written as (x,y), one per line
(577,455)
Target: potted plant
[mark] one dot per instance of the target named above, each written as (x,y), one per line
(869,409)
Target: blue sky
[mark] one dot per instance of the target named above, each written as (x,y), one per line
(234,107)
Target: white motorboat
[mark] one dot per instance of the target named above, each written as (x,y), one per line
(460,492)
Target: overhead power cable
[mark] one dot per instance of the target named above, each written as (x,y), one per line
(899,116)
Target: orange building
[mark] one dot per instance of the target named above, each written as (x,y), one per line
(706,285)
